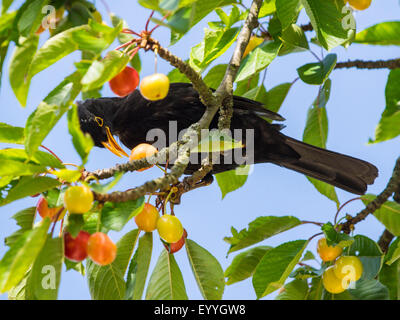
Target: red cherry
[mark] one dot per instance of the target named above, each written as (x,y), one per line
(125,82)
(76,248)
(44,211)
(175,247)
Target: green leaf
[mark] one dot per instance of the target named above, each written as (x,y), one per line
(166,281)
(24,219)
(176,76)
(215,76)
(370,290)
(21,255)
(10,134)
(114,216)
(5,4)
(275,267)
(295,290)
(276,96)
(334,238)
(206,270)
(259,230)
(244,264)
(139,268)
(45,276)
(294,40)
(28,186)
(68,175)
(388,127)
(107,282)
(318,73)
(104,188)
(287,11)
(19,67)
(74,224)
(47,114)
(389,276)
(388,214)
(17,168)
(327,20)
(232,180)
(54,49)
(258,59)
(384,33)
(393,253)
(268,7)
(215,43)
(215,141)
(83,142)
(39,158)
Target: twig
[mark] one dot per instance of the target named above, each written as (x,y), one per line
(384,240)
(379,64)
(374,205)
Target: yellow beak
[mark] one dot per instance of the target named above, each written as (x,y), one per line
(112,145)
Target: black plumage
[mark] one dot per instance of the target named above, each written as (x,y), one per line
(130,118)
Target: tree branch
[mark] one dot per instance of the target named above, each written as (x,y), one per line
(374,205)
(384,240)
(379,64)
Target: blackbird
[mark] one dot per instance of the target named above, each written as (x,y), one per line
(132,117)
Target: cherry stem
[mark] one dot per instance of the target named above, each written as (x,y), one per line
(51,152)
(163,18)
(315,235)
(133,52)
(148,21)
(320,224)
(342,206)
(56,219)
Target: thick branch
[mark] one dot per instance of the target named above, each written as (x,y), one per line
(374,205)
(384,240)
(379,64)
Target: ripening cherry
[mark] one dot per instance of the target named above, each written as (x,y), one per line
(176,246)
(78,199)
(332,283)
(125,82)
(253,43)
(147,219)
(141,151)
(360,4)
(44,211)
(75,249)
(169,228)
(348,267)
(101,249)
(155,87)
(328,253)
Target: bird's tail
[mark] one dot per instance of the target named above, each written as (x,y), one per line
(348,173)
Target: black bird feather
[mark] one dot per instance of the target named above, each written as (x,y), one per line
(130,118)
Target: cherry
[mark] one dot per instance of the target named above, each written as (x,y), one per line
(328,253)
(75,249)
(169,228)
(176,246)
(44,211)
(332,283)
(141,151)
(348,267)
(155,87)
(101,249)
(360,4)
(78,199)
(147,219)
(125,82)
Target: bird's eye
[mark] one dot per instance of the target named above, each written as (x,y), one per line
(99,121)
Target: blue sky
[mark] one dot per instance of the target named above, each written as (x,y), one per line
(357,100)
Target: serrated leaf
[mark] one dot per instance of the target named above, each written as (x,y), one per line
(258,59)
(45,276)
(244,264)
(28,186)
(139,268)
(114,216)
(232,180)
(370,290)
(11,134)
(327,18)
(107,282)
(317,73)
(18,259)
(275,267)
(260,229)
(206,270)
(384,33)
(82,142)
(389,276)
(388,214)
(166,281)
(19,67)
(295,290)
(24,220)
(388,127)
